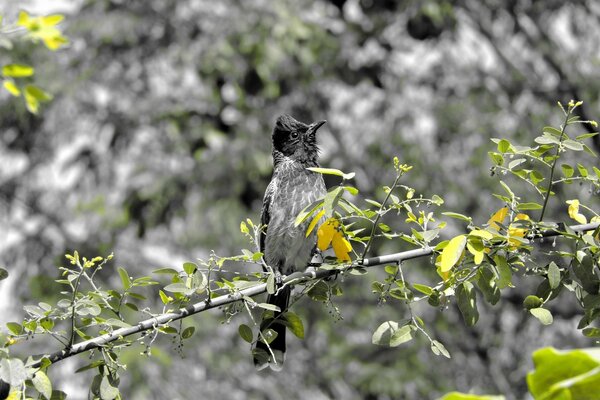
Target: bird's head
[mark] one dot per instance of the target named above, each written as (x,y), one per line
(296,140)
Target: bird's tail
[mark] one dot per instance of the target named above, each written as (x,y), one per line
(273,354)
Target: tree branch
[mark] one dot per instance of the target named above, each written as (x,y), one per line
(295,278)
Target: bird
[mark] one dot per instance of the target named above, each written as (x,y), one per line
(285,246)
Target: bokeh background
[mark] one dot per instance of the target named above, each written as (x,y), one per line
(157,145)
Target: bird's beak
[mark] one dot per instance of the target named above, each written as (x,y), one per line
(316,125)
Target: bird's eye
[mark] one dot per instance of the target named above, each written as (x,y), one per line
(294,135)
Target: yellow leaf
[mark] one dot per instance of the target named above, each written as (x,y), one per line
(452,252)
(14,395)
(341,246)
(12,88)
(498,217)
(314,222)
(51,20)
(574,211)
(325,233)
(482,234)
(477,254)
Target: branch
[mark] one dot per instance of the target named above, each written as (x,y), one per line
(295,278)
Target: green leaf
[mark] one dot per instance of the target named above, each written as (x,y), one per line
(166,271)
(573,145)
(269,335)
(12,371)
(14,328)
(332,171)
(164,298)
(17,70)
(543,315)
(245,333)
(188,332)
(591,332)
(34,96)
(503,145)
(294,324)
(467,303)
(107,390)
(391,334)
(438,348)
(351,189)
(331,199)
(319,291)
(573,374)
(189,267)
(426,290)
(457,216)
(532,301)
(268,306)
(497,158)
(271,283)
(504,272)
(307,212)
(42,384)
(125,280)
(567,170)
(529,206)
(586,136)
(552,131)
(553,275)
(582,170)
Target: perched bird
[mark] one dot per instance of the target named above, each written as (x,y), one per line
(285,247)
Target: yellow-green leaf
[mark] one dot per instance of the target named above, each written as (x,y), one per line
(17,70)
(314,222)
(12,88)
(452,252)
(482,234)
(332,171)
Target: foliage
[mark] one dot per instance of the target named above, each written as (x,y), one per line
(160,141)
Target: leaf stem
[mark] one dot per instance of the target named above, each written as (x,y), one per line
(379,213)
(563,127)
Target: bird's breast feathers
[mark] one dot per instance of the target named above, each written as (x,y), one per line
(292,190)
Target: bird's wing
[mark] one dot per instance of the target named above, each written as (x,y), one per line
(265,215)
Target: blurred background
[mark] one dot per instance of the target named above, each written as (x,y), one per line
(157,145)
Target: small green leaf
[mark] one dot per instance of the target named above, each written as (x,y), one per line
(391,334)
(246,333)
(294,324)
(351,189)
(107,390)
(402,335)
(465,396)
(552,131)
(426,290)
(467,303)
(503,145)
(332,171)
(14,328)
(188,332)
(457,216)
(438,348)
(268,306)
(125,280)
(528,206)
(164,298)
(532,301)
(567,170)
(42,384)
(319,291)
(573,145)
(189,267)
(12,371)
(543,315)
(553,275)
